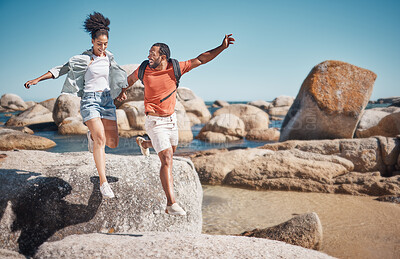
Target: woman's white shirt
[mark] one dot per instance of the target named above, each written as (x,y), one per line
(96,76)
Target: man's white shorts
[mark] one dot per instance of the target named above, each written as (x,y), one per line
(163,131)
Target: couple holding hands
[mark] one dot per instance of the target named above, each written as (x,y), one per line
(98,80)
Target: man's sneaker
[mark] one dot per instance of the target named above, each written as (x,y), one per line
(175,209)
(106,191)
(89,141)
(145,151)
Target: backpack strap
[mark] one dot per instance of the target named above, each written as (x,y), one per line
(177,70)
(142,68)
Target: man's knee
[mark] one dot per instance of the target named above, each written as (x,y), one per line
(166,157)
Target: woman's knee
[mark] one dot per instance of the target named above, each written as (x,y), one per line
(166,157)
(99,138)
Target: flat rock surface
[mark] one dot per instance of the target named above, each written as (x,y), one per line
(171,245)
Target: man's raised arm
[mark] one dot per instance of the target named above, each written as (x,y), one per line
(211,54)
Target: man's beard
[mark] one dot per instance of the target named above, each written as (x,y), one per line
(156,63)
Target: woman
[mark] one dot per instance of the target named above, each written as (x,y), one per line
(97,79)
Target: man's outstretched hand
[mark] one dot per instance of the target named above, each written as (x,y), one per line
(228,40)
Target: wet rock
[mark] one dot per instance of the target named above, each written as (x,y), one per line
(334,93)
(302,230)
(47,196)
(172,245)
(13,139)
(227,125)
(253,117)
(12,102)
(66,105)
(72,126)
(34,115)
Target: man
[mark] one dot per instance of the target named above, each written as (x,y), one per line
(159,101)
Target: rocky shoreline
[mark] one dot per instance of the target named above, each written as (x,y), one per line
(328,143)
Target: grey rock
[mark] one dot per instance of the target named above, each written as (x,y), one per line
(263,105)
(171,245)
(220,103)
(302,230)
(66,105)
(55,195)
(72,126)
(253,117)
(225,124)
(283,100)
(12,102)
(34,115)
(49,104)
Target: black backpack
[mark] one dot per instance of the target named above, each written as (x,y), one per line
(177,73)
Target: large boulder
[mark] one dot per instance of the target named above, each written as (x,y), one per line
(34,115)
(330,102)
(228,125)
(302,230)
(72,126)
(184,124)
(252,117)
(193,104)
(48,196)
(13,139)
(171,245)
(388,126)
(136,91)
(135,112)
(66,105)
(122,120)
(12,102)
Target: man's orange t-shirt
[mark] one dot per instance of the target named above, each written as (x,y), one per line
(158,85)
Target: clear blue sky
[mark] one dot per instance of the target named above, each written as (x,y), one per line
(277,42)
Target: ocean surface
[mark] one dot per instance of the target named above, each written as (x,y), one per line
(128,146)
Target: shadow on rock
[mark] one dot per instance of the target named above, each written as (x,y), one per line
(40,211)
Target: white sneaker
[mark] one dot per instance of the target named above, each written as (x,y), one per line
(106,191)
(145,151)
(175,209)
(89,142)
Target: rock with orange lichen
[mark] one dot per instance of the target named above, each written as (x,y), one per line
(330,102)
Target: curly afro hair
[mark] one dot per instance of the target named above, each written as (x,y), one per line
(96,24)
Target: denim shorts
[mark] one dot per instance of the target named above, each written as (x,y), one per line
(98,105)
